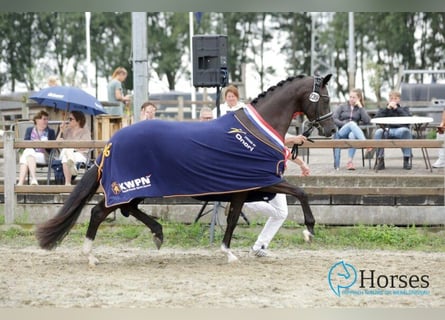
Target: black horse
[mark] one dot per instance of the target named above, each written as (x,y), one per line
(258,130)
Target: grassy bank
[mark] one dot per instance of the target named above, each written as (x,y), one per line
(197,236)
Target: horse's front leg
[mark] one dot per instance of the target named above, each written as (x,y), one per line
(309,221)
(98,214)
(232,219)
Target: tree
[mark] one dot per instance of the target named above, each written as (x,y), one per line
(297,29)
(111,44)
(63,39)
(167,42)
(17,48)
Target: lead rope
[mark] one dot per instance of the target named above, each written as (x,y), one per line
(306,133)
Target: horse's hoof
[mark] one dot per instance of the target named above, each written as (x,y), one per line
(307,236)
(92,261)
(231,258)
(157,241)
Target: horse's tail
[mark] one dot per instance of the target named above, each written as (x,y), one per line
(52,232)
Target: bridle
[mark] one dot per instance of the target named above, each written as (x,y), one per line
(314,97)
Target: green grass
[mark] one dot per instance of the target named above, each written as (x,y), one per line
(177,235)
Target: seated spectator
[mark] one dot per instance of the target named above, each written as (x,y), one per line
(231,101)
(440,162)
(347,118)
(148,111)
(31,157)
(205,114)
(394,131)
(73,130)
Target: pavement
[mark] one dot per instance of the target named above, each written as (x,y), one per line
(321,162)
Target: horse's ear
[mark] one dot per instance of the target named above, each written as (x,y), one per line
(326,79)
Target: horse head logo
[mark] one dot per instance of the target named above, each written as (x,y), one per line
(341,276)
(116,188)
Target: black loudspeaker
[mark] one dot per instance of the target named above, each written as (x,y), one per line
(209,60)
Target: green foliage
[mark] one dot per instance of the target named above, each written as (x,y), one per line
(14,232)
(178,235)
(381,237)
(431,134)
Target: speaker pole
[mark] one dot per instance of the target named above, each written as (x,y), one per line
(218,98)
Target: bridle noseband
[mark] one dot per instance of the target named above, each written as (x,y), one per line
(314,97)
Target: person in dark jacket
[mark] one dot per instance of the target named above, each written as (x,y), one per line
(394,131)
(30,157)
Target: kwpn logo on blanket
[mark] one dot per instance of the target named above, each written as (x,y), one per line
(131,185)
(242,137)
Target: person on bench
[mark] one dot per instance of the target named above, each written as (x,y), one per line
(73,130)
(394,131)
(347,118)
(30,156)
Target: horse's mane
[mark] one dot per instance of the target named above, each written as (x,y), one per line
(272,88)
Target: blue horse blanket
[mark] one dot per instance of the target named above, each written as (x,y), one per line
(236,152)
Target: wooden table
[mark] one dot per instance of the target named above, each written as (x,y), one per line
(105,126)
(417,123)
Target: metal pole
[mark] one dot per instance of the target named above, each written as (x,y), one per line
(88,46)
(351,52)
(313,54)
(192,88)
(9,168)
(140,63)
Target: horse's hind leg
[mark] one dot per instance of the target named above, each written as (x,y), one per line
(232,219)
(309,221)
(98,214)
(153,225)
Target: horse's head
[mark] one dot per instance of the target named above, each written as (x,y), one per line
(316,107)
(308,95)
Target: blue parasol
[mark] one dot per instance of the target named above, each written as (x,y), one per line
(68,99)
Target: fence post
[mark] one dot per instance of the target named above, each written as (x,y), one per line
(9,155)
(180,108)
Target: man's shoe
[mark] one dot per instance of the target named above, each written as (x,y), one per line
(261,252)
(407,163)
(439,164)
(380,164)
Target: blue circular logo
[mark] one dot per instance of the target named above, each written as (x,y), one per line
(341,276)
